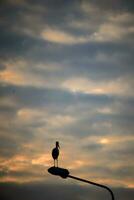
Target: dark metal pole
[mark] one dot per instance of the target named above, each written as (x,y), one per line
(90,182)
(64,173)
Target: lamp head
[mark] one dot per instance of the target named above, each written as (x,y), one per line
(59,172)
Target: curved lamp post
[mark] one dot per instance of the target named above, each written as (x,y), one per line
(64,173)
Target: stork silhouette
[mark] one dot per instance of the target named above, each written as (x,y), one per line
(55,153)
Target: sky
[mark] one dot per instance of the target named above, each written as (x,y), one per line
(66,74)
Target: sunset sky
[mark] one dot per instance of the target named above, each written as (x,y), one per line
(67,75)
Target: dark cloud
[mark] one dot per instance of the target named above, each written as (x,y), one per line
(14,136)
(2,67)
(35,97)
(118,173)
(78,59)
(105,57)
(94,147)
(119,5)
(8,147)
(123,151)
(44,191)
(14,45)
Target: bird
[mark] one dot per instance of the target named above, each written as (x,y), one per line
(55,152)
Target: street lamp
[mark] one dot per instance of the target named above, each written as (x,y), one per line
(64,173)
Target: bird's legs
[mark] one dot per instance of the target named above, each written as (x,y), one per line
(57,162)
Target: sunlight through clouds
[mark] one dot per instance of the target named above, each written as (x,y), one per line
(89,86)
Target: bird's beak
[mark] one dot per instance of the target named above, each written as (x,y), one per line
(59,146)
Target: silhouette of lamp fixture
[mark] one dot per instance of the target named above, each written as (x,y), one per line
(64,173)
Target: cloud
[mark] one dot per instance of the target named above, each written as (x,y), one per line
(26,73)
(66,72)
(61,37)
(37,120)
(109,6)
(92,87)
(68,191)
(106,32)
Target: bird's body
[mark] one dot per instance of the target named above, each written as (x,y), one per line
(55,153)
